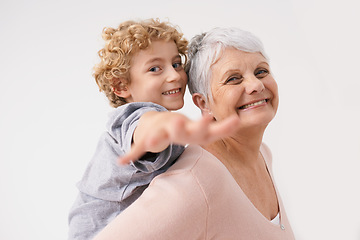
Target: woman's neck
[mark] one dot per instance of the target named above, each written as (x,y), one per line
(241,149)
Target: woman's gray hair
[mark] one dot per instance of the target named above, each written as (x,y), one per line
(205,49)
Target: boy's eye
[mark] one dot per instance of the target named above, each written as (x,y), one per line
(261,73)
(177,65)
(154,69)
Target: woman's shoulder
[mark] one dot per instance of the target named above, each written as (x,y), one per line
(193,174)
(266,153)
(182,168)
(192,160)
(199,163)
(173,205)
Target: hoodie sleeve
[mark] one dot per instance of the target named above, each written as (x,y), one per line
(121,128)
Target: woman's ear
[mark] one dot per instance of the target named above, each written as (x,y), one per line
(201,102)
(121,88)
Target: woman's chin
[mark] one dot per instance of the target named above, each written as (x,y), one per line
(257,120)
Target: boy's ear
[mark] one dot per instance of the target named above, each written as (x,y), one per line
(121,88)
(200,102)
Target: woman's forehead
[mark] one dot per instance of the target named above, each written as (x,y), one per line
(236,59)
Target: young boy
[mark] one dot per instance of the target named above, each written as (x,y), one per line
(141,73)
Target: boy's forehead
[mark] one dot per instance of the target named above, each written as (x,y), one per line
(156,50)
(154,43)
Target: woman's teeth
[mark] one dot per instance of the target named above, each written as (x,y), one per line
(253,104)
(171,92)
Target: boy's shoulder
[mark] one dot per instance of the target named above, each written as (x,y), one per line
(132,110)
(136,106)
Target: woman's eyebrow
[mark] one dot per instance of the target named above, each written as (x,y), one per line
(263,62)
(231,71)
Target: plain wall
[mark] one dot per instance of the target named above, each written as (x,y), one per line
(52,114)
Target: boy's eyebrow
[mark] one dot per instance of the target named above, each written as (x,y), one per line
(160,59)
(176,57)
(153,60)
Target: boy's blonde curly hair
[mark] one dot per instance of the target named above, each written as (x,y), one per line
(122,43)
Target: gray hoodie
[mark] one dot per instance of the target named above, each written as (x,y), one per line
(106,188)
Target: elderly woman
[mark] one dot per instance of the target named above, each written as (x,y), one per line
(225,189)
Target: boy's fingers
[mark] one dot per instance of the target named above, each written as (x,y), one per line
(198,128)
(123,160)
(225,127)
(180,132)
(135,153)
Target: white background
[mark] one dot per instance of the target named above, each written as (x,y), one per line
(51,113)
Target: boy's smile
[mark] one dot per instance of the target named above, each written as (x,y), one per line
(172,91)
(157,75)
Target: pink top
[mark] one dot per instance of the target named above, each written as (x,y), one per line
(197,198)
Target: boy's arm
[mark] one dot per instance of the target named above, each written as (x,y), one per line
(157,130)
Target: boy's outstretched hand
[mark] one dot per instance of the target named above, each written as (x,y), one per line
(157,130)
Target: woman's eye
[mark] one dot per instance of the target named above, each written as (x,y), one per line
(154,69)
(261,73)
(177,65)
(234,80)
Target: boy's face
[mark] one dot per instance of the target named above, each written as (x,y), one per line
(157,75)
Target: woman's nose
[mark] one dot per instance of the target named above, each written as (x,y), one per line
(253,85)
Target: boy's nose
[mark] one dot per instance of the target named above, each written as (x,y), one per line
(173,75)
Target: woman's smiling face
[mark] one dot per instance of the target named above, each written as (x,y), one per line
(242,84)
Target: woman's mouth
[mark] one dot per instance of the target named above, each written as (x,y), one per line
(171,91)
(253,104)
